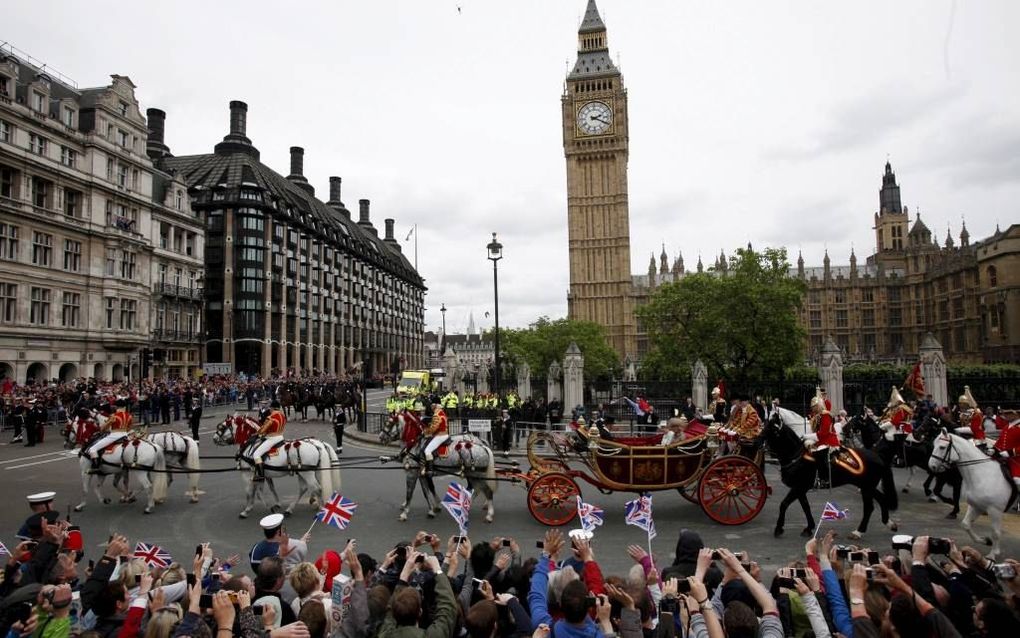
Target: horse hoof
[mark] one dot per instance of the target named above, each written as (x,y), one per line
(807,532)
(932,499)
(951,516)
(194,499)
(242,515)
(488,519)
(147,510)
(855,535)
(905,490)
(402,518)
(777,532)
(988,541)
(106,501)
(893,526)
(79,508)
(431,514)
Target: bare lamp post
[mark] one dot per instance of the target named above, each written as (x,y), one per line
(495,254)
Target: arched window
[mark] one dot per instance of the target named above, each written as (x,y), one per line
(993,276)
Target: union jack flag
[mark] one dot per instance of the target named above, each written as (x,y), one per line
(337,511)
(457,502)
(153,555)
(833,513)
(590,515)
(639,513)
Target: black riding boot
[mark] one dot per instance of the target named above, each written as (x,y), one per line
(824,469)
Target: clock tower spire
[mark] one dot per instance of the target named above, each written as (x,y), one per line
(595,143)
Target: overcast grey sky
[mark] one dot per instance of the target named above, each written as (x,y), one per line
(753,121)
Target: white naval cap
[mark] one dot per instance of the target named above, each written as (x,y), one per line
(272,521)
(41,497)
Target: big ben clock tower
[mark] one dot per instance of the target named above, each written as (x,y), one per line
(595,144)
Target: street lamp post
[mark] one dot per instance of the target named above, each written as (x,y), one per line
(442,342)
(495,254)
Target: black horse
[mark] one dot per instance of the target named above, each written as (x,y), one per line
(799,472)
(325,404)
(901,452)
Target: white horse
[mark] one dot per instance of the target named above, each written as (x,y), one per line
(126,459)
(987,489)
(312,461)
(181,453)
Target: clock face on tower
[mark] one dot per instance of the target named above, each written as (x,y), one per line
(594,118)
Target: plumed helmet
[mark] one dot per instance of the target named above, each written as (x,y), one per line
(817,401)
(967,399)
(716,391)
(894,398)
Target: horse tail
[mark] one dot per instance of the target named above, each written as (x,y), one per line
(193,462)
(327,475)
(892,499)
(159,479)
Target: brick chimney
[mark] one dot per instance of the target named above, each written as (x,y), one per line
(389,239)
(155,147)
(237,140)
(297,169)
(364,220)
(335,184)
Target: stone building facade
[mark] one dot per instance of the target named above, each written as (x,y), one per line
(76,226)
(293,283)
(966,293)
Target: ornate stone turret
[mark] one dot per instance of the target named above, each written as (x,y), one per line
(663,261)
(949,239)
(800,264)
(826,265)
(723,263)
(701,267)
(964,236)
(853,263)
(651,271)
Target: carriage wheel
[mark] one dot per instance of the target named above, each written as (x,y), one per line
(689,492)
(552,499)
(732,491)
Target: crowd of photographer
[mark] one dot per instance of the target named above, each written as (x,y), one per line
(431,588)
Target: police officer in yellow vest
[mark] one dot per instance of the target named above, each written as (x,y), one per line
(449,401)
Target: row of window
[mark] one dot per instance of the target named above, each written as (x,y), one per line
(41,301)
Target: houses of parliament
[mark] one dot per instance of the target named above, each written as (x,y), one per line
(966,293)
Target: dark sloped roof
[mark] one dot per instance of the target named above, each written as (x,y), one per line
(214,170)
(592,20)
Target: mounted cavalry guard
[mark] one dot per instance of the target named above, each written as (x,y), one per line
(827,441)
(971,419)
(438,431)
(115,428)
(274,421)
(1007,448)
(897,416)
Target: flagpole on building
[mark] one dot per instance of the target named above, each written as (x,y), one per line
(414,231)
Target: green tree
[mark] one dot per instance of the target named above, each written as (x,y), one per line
(546,340)
(741,322)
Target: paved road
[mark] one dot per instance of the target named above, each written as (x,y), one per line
(177,524)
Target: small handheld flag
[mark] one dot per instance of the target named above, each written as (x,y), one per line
(457,501)
(153,555)
(833,513)
(337,511)
(589,515)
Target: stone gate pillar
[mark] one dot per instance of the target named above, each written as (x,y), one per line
(524,381)
(553,382)
(933,369)
(449,366)
(830,370)
(699,385)
(458,380)
(573,377)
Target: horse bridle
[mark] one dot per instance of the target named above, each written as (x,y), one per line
(945,460)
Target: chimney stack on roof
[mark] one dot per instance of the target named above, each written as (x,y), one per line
(335,184)
(364,219)
(237,140)
(297,169)
(389,229)
(155,147)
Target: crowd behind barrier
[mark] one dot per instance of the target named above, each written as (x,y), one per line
(431,587)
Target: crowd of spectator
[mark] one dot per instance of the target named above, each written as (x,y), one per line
(428,587)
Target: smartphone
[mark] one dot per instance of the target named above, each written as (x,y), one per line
(683,586)
(198,550)
(92,565)
(138,578)
(870,574)
(205,601)
(23,613)
(842,552)
(716,554)
(419,559)
(428,538)
(540,544)
(1005,571)
(798,572)
(459,539)
(191,580)
(477,582)
(506,542)
(401,553)
(256,609)
(589,601)
(786,583)
(30,545)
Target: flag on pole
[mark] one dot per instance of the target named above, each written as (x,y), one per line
(337,511)
(457,501)
(411,232)
(153,555)
(915,381)
(590,515)
(833,513)
(639,513)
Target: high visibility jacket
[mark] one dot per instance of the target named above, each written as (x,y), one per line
(450,401)
(469,401)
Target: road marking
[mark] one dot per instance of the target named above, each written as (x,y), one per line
(34,456)
(66,455)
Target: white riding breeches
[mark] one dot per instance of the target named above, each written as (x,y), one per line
(109,439)
(263,448)
(434,444)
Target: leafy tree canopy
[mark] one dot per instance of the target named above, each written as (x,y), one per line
(546,340)
(741,322)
